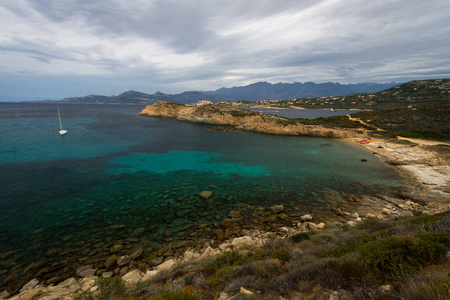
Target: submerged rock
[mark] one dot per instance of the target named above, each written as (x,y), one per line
(205,194)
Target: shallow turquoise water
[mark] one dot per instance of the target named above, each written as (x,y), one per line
(117,168)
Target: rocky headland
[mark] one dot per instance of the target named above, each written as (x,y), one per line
(242,120)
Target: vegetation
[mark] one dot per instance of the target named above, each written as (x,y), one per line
(430,121)
(407,257)
(411,93)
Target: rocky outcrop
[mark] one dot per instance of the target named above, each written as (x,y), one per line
(241,119)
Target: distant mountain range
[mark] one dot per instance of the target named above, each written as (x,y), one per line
(252,92)
(286,91)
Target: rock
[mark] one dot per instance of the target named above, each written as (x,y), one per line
(355,215)
(82,269)
(223,296)
(312,226)
(138,232)
(351,223)
(369,215)
(136,253)
(149,275)
(242,241)
(321,225)
(167,265)
(245,291)
(30,294)
(386,211)
(386,287)
(107,274)
(111,261)
(88,284)
(188,255)
(132,277)
(4,295)
(276,209)
(30,285)
(225,246)
(116,248)
(205,194)
(209,252)
(284,229)
(306,218)
(88,273)
(156,261)
(230,222)
(67,283)
(123,260)
(33,267)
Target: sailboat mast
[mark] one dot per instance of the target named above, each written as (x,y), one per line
(59,116)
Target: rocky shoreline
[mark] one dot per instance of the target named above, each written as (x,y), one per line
(133,271)
(247,226)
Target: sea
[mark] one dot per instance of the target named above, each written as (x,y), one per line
(66,197)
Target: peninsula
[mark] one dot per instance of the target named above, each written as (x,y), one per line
(248,120)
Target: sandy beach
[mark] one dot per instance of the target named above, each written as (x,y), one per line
(428,167)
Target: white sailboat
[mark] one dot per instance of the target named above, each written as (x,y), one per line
(61,130)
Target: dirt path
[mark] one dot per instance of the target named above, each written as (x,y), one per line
(423,142)
(362,122)
(415,141)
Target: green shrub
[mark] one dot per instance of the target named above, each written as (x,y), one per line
(110,288)
(394,257)
(426,288)
(85,295)
(297,238)
(178,295)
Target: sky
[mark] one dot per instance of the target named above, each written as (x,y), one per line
(52,49)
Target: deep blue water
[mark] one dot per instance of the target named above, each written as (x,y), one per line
(115,167)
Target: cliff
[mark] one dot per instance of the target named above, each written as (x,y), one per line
(241,119)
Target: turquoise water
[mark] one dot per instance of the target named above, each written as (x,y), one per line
(60,193)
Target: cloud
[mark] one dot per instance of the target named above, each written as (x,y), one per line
(183,45)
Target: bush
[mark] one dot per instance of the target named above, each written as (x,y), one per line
(347,275)
(426,288)
(178,295)
(110,288)
(297,238)
(394,257)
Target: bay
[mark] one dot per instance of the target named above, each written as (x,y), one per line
(116,172)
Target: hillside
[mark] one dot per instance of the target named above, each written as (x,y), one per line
(411,93)
(134,97)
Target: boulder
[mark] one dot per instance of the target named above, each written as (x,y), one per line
(88,273)
(111,261)
(321,225)
(149,275)
(225,246)
(167,265)
(136,254)
(67,283)
(313,226)
(132,277)
(123,260)
(116,248)
(355,215)
(30,294)
(209,252)
(107,274)
(82,269)
(306,218)
(276,209)
(30,285)
(351,223)
(242,241)
(4,295)
(245,291)
(34,267)
(230,222)
(156,261)
(205,194)
(188,255)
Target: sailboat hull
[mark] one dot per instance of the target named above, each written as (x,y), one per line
(62,132)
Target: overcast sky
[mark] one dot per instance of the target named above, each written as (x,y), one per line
(51,49)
